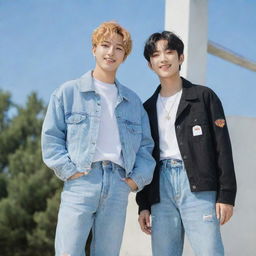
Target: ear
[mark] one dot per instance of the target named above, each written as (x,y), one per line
(93,50)
(149,65)
(181,59)
(124,59)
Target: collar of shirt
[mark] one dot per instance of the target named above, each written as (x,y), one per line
(86,84)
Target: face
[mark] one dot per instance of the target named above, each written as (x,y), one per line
(165,62)
(109,54)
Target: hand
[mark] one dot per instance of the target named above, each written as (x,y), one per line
(77,175)
(144,221)
(224,212)
(131,184)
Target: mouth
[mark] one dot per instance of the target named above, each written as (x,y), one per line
(165,66)
(109,60)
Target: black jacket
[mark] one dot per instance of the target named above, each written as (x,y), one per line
(207,157)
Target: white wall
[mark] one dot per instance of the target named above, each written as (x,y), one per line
(239,235)
(189,20)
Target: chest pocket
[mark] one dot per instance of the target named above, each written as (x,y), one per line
(75,118)
(198,126)
(134,134)
(76,123)
(133,127)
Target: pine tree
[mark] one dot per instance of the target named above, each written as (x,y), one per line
(29,192)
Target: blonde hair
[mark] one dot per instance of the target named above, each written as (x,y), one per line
(109,28)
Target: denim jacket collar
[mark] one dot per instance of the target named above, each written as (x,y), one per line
(85,84)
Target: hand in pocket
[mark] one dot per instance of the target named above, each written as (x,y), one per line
(77,175)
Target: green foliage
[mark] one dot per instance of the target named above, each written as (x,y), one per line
(29,191)
(5,104)
(3,186)
(41,237)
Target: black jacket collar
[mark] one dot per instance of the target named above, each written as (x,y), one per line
(188,94)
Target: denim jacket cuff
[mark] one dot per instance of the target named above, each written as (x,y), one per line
(66,171)
(138,180)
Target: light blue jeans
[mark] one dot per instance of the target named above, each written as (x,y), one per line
(182,211)
(97,200)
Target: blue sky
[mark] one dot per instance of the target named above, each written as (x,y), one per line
(44,43)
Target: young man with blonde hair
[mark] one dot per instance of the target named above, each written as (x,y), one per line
(96,138)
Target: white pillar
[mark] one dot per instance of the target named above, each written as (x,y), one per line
(189,20)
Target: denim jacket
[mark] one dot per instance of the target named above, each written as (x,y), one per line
(71,127)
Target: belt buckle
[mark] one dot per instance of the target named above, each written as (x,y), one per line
(105,162)
(174,161)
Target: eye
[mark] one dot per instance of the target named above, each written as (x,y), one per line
(155,54)
(169,51)
(119,49)
(104,45)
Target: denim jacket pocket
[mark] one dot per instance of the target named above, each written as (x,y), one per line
(134,134)
(133,127)
(77,125)
(75,118)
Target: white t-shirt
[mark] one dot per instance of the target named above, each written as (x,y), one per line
(166,113)
(108,146)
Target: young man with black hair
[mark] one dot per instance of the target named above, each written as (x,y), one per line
(96,137)
(194,186)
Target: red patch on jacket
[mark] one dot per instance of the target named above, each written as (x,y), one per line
(220,123)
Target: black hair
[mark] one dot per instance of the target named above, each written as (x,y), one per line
(174,43)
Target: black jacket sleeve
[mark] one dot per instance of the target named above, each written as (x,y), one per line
(142,199)
(226,173)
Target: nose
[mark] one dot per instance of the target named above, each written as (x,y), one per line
(163,57)
(111,51)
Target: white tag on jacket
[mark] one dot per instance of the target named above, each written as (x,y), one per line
(197,130)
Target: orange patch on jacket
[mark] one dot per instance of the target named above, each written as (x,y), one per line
(220,123)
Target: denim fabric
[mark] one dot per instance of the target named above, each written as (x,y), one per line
(182,211)
(71,127)
(97,200)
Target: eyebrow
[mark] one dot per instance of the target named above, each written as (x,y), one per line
(105,41)
(166,49)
